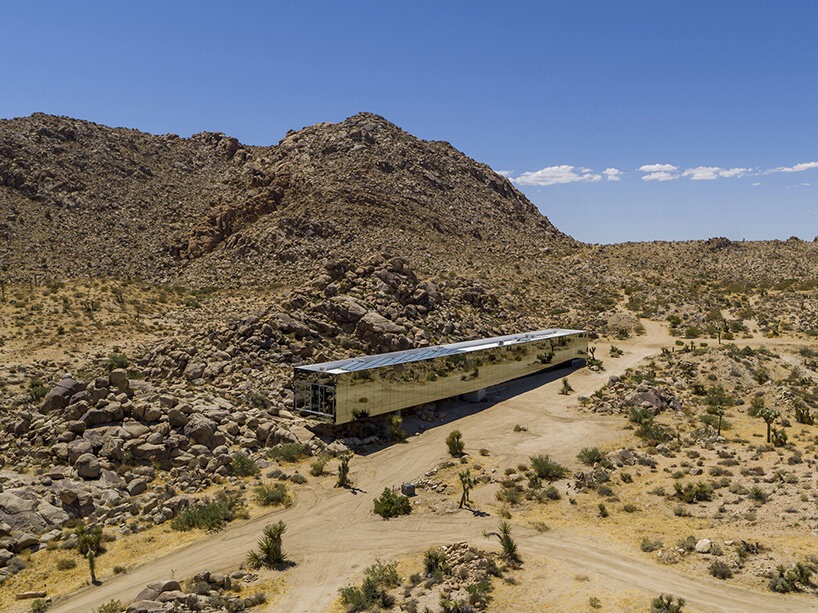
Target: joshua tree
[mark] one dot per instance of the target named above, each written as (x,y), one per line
(769,416)
(508,544)
(717,399)
(89,544)
(343,471)
(455,443)
(396,432)
(270,553)
(566,387)
(468,482)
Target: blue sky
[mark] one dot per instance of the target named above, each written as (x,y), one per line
(713,89)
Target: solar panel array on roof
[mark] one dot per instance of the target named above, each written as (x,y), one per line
(425,353)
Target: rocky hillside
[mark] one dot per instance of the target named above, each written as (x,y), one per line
(80,199)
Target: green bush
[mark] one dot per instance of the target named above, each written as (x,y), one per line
(273,495)
(66,563)
(318,465)
(372,594)
(270,553)
(691,492)
(648,545)
(592,455)
(287,452)
(667,603)
(434,561)
(455,444)
(210,514)
(112,606)
(546,468)
(116,360)
(720,570)
(390,504)
(243,465)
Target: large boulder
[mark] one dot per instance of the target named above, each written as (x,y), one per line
(119,379)
(200,430)
(59,396)
(87,466)
(152,591)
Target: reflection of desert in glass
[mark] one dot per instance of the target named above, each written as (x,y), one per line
(372,385)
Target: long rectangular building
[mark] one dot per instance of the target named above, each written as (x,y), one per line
(344,390)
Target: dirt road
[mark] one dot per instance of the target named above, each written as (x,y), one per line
(332,533)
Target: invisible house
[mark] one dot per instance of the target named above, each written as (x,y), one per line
(344,390)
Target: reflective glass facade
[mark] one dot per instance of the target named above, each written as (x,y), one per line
(374,385)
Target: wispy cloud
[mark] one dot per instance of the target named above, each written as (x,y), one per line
(659,172)
(556,175)
(565,173)
(796,168)
(710,173)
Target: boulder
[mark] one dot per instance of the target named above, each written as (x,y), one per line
(58,397)
(148,606)
(119,379)
(87,466)
(703,546)
(152,591)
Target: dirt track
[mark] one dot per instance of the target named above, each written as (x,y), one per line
(332,534)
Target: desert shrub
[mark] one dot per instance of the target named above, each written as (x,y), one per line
(693,492)
(39,605)
(592,455)
(788,579)
(626,477)
(510,495)
(116,360)
(758,494)
(630,508)
(508,544)
(454,443)
(546,468)
(720,570)
(434,561)
(210,514)
(243,465)
(112,606)
(552,493)
(390,504)
(603,511)
(648,545)
(318,465)
(396,432)
(519,428)
(273,495)
(287,452)
(118,570)
(270,553)
(667,603)
(37,389)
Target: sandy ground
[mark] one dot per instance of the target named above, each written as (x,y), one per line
(332,533)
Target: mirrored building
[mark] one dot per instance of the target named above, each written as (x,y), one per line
(371,385)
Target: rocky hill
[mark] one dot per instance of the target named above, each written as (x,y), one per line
(80,199)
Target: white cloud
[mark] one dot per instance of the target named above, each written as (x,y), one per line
(756,184)
(659,172)
(555,175)
(709,173)
(612,174)
(797,168)
(505,173)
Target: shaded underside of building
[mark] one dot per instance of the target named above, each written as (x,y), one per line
(375,384)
